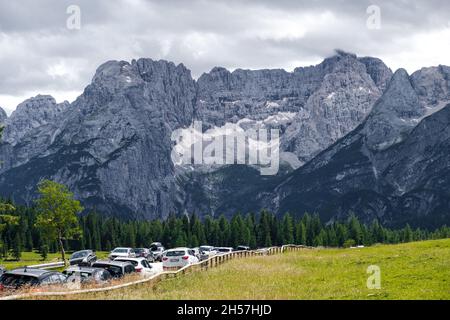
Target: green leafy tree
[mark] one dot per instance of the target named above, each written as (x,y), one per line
(332,237)
(355,230)
(288,229)
(407,234)
(264,231)
(44,251)
(6,220)
(17,247)
(349,243)
(300,233)
(57,213)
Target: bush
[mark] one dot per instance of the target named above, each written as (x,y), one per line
(349,243)
(44,251)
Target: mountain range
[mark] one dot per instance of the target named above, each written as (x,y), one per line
(355,138)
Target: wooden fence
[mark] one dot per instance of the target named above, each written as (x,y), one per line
(211,262)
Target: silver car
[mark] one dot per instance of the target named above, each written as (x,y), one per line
(87,274)
(157,250)
(122,253)
(206,252)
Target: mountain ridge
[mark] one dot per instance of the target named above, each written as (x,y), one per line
(112,145)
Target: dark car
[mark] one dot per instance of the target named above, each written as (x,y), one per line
(144,253)
(83,258)
(242,248)
(21,277)
(86,274)
(117,269)
(157,250)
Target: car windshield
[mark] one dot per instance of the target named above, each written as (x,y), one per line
(139,250)
(154,248)
(120,250)
(175,253)
(79,254)
(223,250)
(15,280)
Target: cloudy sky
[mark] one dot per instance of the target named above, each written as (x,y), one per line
(40,54)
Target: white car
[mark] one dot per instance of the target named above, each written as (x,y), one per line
(179,257)
(122,253)
(223,250)
(207,252)
(140,265)
(196,252)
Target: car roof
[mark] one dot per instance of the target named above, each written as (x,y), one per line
(82,269)
(87,250)
(32,272)
(129,259)
(179,249)
(111,262)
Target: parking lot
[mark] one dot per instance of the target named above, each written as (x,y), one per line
(123,267)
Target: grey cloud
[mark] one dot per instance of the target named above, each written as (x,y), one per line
(40,54)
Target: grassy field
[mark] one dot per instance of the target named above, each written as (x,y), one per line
(418,270)
(32,258)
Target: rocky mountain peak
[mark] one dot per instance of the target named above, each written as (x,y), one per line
(162,74)
(112,71)
(218,77)
(433,86)
(342,100)
(397,112)
(400,97)
(122,74)
(379,72)
(32,113)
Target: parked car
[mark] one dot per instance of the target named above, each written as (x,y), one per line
(157,250)
(122,252)
(83,258)
(2,270)
(206,252)
(86,274)
(223,250)
(117,269)
(140,265)
(242,248)
(197,252)
(179,257)
(144,253)
(21,277)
